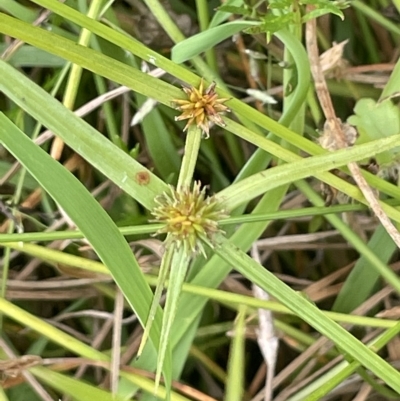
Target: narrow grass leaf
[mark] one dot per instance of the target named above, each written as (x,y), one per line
(205,40)
(89,217)
(49,331)
(119,167)
(235,382)
(7,24)
(258,184)
(75,388)
(324,384)
(18,10)
(352,347)
(162,277)
(29,56)
(57,257)
(357,243)
(178,269)
(331,179)
(90,59)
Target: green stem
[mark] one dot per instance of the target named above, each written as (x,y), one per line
(76,70)
(178,269)
(202,68)
(204,19)
(192,146)
(162,276)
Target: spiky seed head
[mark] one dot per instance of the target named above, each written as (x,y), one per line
(201,107)
(189,217)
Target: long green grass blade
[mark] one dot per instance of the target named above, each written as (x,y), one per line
(205,40)
(308,312)
(119,167)
(49,331)
(236,363)
(89,217)
(257,184)
(77,389)
(179,266)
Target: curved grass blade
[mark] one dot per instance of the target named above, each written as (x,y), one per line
(90,218)
(205,40)
(49,331)
(259,183)
(119,167)
(352,347)
(77,389)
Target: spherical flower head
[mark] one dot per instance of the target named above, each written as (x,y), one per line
(189,216)
(201,107)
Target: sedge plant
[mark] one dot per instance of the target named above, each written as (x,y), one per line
(200,246)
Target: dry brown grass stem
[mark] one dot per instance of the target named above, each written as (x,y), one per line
(336,134)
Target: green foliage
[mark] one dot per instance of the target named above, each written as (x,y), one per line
(280,13)
(377,120)
(279,16)
(257,182)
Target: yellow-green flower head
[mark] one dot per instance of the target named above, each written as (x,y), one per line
(189,217)
(201,107)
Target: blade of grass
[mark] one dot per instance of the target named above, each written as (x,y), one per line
(130,175)
(91,219)
(120,73)
(47,330)
(376,16)
(257,184)
(323,385)
(79,390)
(18,10)
(205,40)
(384,270)
(352,347)
(178,269)
(360,283)
(235,380)
(327,177)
